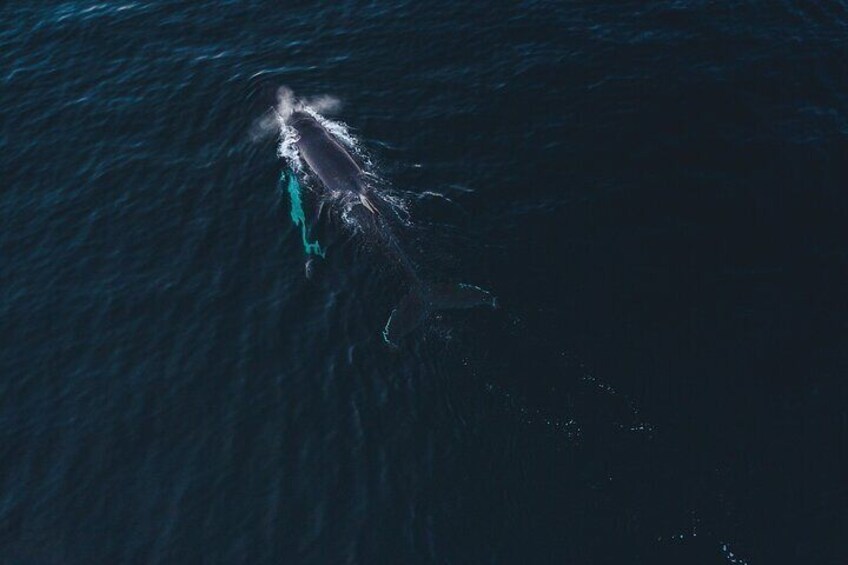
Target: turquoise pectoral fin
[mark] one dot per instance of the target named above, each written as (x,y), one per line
(297,215)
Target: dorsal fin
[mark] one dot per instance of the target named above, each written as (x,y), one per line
(367,203)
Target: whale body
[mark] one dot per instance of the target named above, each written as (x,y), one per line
(325,156)
(328,159)
(338,172)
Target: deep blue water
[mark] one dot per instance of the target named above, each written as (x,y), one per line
(654,190)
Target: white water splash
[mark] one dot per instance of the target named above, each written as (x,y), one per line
(287,148)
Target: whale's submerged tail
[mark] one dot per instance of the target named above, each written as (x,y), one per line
(420,302)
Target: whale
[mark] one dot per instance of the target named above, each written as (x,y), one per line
(339,172)
(328,159)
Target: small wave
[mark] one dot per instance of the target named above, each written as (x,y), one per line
(72,10)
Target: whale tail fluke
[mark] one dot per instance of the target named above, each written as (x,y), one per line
(420,302)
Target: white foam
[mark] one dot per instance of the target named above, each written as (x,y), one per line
(287,148)
(339,130)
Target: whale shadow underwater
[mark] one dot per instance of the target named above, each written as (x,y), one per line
(336,173)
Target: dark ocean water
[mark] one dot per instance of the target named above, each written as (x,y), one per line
(654,190)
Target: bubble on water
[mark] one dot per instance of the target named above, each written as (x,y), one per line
(567,427)
(730,556)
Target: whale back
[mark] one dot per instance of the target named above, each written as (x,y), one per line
(324,155)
